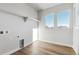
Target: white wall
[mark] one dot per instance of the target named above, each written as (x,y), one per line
(15,26)
(76,28)
(20,9)
(56,35)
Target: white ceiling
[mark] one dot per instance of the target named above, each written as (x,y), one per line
(42,6)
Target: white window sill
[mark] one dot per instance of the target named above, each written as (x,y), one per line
(63,27)
(49,27)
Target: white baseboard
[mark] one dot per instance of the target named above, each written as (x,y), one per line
(75,51)
(10,52)
(27,44)
(56,43)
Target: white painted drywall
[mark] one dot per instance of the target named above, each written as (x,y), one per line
(76,39)
(56,35)
(76,28)
(20,9)
(15,26)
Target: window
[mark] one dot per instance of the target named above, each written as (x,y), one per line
(49,20)
(63,18)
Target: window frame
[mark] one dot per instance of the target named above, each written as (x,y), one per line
(69,20)
(53,19)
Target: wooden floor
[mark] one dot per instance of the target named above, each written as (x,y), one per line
(44,48)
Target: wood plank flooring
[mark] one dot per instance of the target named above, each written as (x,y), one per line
(44,48)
